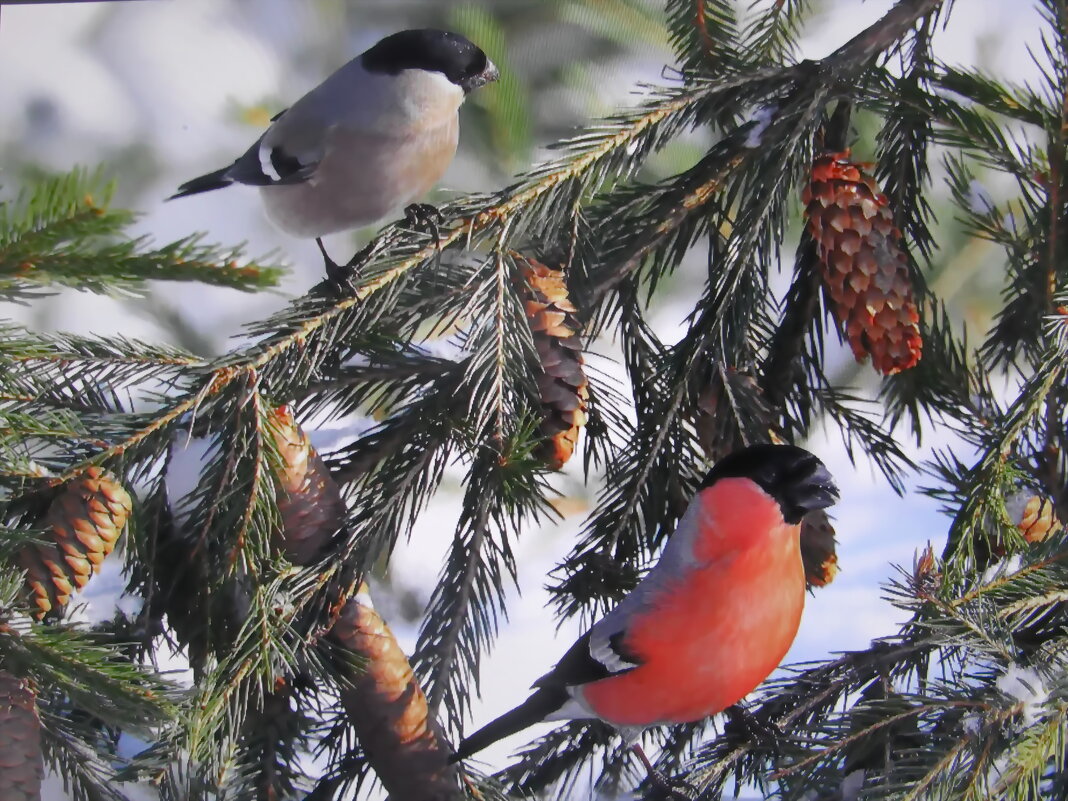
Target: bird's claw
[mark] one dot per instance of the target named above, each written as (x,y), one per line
(674,788)
(669,787)
(341,277)
(425,215)
(338,276)
(743,725)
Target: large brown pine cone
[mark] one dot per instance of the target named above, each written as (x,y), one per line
(84,522)
(864,267)
(310,504)
(21,767)
(389,712)
(555,326)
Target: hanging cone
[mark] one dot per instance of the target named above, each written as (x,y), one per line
(864,267)
(388,710)
(562,384)
(728,393)
(21,767)
(85,521)
(1033,515)
(310,503)
(818,549)
(925,571)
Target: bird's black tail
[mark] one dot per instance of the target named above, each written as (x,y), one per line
(542,703)
(205,183)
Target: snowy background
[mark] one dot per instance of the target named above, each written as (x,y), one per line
(162,91)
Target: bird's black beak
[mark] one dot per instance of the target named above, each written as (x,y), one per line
(815,491)
(488,75)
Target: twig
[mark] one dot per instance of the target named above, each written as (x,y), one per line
(447,647)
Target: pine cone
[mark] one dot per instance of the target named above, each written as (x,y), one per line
(1033,515)
(728,394)
(555,326)
(388,709)
(818,549)
(85,519)
(864,267)
(925,571)
(21,767)
(310,504)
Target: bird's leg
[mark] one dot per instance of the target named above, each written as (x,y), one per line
(662,782)
(340,276)
(337,274)
(744,725)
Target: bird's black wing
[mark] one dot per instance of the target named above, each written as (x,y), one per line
(578,665)
(256,167)
(262,165)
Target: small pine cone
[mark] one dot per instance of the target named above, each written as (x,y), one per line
(818,549)
(925,571)
(727,394)
(85,519)
(562,384)
(864,267)
(388,709)
(1033,515)
(21,766)
(310,504)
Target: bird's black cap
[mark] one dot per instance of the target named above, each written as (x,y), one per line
(791,475)
(454,56)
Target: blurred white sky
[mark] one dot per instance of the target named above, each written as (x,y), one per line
(88,82)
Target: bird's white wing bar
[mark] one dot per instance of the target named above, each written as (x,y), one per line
(604,648)
(266,165)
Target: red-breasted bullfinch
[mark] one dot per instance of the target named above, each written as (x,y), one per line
(709,622)
(372,138)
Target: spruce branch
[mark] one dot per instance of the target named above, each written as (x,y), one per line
(63,232)
(783,366)
(772,34)
(469,598)
(883,35)
(254,571)
(667,210)
(903,170)
(703,32)
(988,475)
(84,671)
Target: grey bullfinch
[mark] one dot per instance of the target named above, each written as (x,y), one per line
(369,140)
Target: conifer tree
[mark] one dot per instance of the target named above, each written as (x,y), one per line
(822,169)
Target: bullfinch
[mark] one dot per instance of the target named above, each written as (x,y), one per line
(709,622)
(372,138)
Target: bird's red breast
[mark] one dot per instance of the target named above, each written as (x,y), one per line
(709,638)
